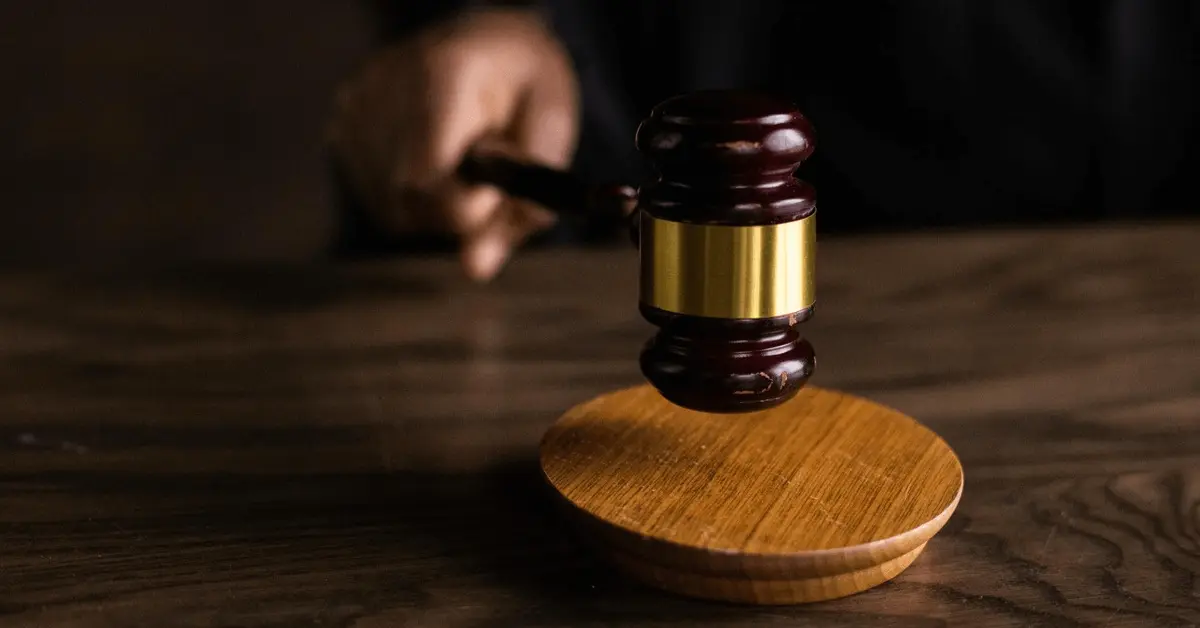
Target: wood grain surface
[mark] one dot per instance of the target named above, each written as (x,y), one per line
(268,447)
(821,497)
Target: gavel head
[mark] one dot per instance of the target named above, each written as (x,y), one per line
(726,240)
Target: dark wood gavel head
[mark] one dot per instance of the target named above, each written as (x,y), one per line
(726,236)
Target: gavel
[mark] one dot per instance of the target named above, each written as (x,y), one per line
(726,236)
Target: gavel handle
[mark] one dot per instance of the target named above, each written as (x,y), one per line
(556,190)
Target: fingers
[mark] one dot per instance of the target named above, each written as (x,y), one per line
(486,251)
(458,110)
(543,128)
(450,118)
(537,122)
(546,122)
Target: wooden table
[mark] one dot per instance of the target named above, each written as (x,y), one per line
(354,446)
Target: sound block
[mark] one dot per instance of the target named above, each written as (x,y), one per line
(822,497)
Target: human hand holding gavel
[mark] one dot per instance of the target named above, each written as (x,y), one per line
(488,96)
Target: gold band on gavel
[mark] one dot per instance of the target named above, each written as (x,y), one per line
(728,271)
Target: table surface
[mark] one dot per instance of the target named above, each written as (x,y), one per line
(354,446)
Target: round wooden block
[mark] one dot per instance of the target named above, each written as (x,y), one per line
(825,496)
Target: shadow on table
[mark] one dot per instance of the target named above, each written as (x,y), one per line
(512,559)
(519,557)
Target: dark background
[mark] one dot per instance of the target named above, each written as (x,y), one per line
(134,129)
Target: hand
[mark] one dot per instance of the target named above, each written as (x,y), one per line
(402,126)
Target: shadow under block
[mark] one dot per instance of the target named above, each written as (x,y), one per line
(825,496)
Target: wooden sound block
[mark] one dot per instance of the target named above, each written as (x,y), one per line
(822,497)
